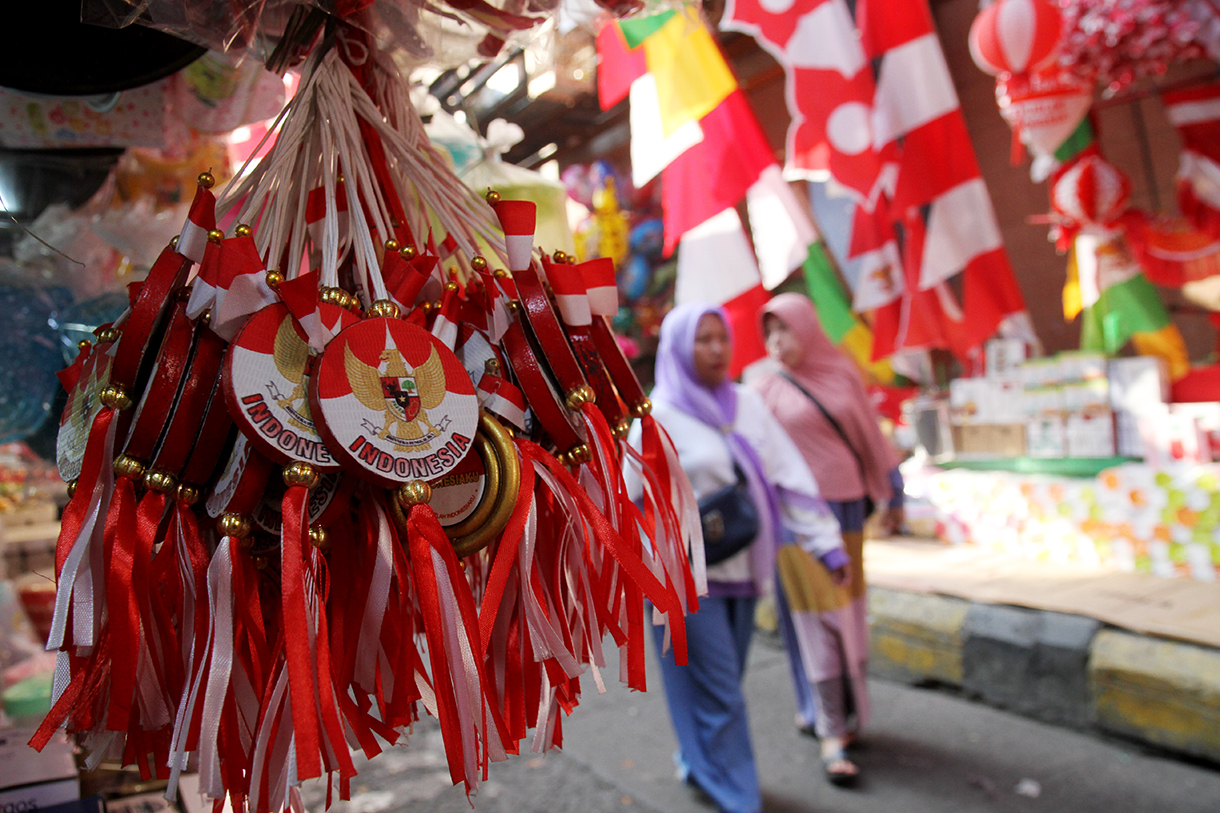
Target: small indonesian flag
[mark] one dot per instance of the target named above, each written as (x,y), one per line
(244,289)
(301,297)
(498,396)
(200,219)
(518,218)
(203,287)
(570,294)
(602,286)
(445,327)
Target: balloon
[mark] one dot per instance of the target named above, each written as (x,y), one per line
(1015,36)
(648,237)
(635,276)
(580,187)
(1091,191)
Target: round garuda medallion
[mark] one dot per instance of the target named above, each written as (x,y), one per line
(394,402)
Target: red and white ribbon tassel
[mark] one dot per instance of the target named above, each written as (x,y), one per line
(661,458)
(200,219)
(77,630)
(464,701)
(317,728)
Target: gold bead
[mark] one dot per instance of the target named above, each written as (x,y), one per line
(479,263)
(334,296)
(114,397)
(493,197)
(451,286)
(183,293)
(500,273)
(408,252)
(580,396)
(128,466)
(161,481)
(173,241)
(274,278)
(215,236)
(71,489)
(243,230)
(413,493)
(513,305)
(427,307)
(319,538)
(301,474)
(83,345)
(206,180)
(492,367)
(621,429)
(206,317)
(559,256)
(350,300)
(107,335)
(392,245)
(642,409)
(579,454)
(187,493)
(386,308)
(234,525)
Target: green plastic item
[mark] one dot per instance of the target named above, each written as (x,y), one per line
(29,699)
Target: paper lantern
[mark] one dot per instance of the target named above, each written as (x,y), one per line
(1091,192)
(1015,36)
(1044,107)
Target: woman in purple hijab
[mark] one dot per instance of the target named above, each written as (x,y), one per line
(718,428)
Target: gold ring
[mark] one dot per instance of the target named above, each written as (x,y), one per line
(498,443)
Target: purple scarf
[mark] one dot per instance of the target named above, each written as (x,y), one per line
(679,386)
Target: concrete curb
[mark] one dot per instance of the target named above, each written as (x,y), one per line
(1065,669)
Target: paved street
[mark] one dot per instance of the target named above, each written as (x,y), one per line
(925,751)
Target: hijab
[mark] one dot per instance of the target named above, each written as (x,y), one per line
(678,385)
(835,381)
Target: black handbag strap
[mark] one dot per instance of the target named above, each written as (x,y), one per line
(834,423)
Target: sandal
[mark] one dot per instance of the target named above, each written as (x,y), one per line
(839,769)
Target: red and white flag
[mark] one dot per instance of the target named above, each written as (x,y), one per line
(200,219)
(1195,112)
(498,396)
(602,286)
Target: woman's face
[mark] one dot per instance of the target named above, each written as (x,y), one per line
(712,350)
(782,344)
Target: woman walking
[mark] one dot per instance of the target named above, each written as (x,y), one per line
(819,399)
(724,434)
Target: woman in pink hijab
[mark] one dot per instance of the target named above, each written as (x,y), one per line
(819,399)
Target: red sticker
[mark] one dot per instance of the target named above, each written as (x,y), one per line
(267,374)
(395,401)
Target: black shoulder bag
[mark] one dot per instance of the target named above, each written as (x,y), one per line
(869,505)
(730,519)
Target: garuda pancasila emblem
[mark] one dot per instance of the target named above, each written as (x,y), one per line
(405,396)
(291,354)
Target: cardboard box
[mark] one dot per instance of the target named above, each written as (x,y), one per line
(1004,357)
(969,401)
(1128,441)
(22,765)
(1043,402)
(1091,397)
(1082,365)
(1139,384)
(1207,415)
(1090,434)
(1171,438)
(991,440)
(1046,437)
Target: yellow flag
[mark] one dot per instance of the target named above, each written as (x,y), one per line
(691,74)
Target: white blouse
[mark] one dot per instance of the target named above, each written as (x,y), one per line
(705,458)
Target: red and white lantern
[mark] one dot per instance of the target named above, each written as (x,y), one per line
(1015,36)
(1092,192)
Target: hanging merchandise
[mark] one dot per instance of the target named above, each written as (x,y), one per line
(1091,192)
(363,454)
(1015,36)
(1043,108)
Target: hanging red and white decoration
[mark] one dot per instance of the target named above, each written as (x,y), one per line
(1015,36)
